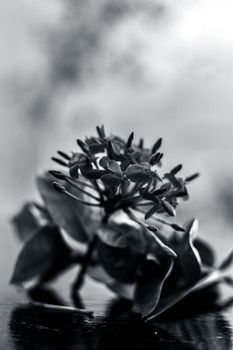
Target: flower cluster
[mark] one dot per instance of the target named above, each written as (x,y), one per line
(107,211)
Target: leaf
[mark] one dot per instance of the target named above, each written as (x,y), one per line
(42,257)
(188,255)
(150,285)
(149,288)
(205,251)
(73,217)
(187,269)
(170,297)
(114,167)
(28,220)
(111,180)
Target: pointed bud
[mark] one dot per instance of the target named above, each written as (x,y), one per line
(157,145)
(130,140)
(57,174)
(168,208)
(84,147)
(64,155)
(152,228)
(59,187)
(155,158)
(59,161)
(192,177)
(141,143)
(177,228)
(176,169)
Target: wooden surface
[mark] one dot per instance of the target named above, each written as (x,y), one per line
(25,326)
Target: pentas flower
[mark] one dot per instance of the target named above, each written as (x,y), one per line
(108,211)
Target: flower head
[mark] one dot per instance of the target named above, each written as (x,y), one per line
(108,211)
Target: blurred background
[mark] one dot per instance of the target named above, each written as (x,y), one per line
(156,67)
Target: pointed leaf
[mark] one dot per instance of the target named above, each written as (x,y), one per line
(188,262)
(150,285)
(42,257)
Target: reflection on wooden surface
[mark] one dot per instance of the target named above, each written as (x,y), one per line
(182,328)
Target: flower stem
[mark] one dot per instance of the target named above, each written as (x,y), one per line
(82,190)
(80,200)
(86,260)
